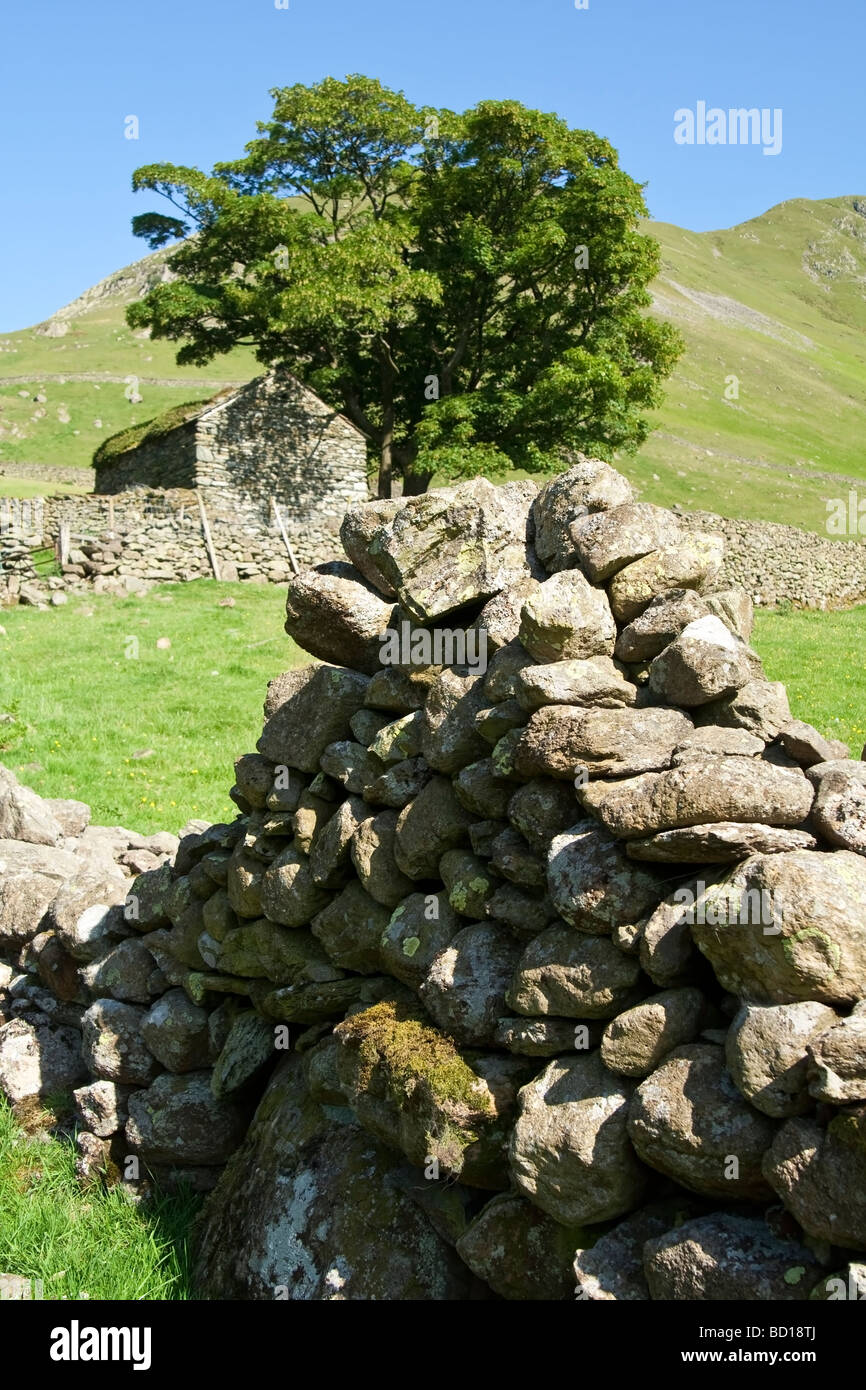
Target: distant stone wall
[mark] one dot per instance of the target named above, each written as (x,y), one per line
(161,536)
(778,564)
(49,473)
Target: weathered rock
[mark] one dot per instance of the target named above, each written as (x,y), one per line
(712,741)
(254,778)
(72,816)
(715,789)
(596,681)
(725,842)
(112,1044)
(264,950)
(588,486)
(419,928)
(660,623)
(358,527)
(248,1047)
(591,883)
(87,914)
(566,618)
(636,1041)
(570,1152)
(519,1251)
(449,737)
(524,912)
(464,990)
(372,851)
(412,1089)
(500,682)
(542,808)
(36,1060)
(399,785)
(728,1257)
(608,541)
(312,815)
(399,739)
(175,1031)
(351,928)
(352,765)
(572,975)
(124,972)
(24,815)
(499,619)
(394,690)
(690,1122)
(147,899)
(804,743)
(289,894)
(665,944)
(735,608)
(481,791)
(767,1057)
(760,706)
(469,881)
(839,812)
(101,1107)
(244,882)
(820,1175)
(560,740)
(333,613)
(367,724)
(612,1269)
(330,861)
(689,564)
(545,1037)
(322,1185)
(179,1120)
(705,663)
(837,1061)
(453,546)
(786,927)
(30,878)
(513,857)
(307,709)
(428,826)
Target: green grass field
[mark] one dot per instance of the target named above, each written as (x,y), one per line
(88,689)
(83,704)
(85,1245)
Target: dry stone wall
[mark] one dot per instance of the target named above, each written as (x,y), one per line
(533,973)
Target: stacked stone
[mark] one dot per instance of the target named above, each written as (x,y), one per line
(522,888)
(547,975)
(85,1010)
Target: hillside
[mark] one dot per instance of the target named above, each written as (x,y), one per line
(778,302)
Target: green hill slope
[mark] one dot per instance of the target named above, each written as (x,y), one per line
(779,303)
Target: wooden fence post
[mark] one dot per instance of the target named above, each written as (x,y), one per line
(292,561)
(65,542)
(207,536)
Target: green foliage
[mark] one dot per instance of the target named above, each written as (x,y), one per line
(94,1244)
(470,290)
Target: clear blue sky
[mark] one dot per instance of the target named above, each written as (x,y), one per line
(197,74)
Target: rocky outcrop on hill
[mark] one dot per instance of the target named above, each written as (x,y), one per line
(534,962)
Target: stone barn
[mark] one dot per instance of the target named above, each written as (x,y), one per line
(270,440)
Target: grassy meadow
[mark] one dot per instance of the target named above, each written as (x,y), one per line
(92,708)
(92,1244)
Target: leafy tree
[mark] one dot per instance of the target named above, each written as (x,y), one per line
(469,289)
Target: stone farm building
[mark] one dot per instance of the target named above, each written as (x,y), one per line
(192,492)
(270,440)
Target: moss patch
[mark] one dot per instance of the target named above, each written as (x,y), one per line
(113,448)
(412,1053)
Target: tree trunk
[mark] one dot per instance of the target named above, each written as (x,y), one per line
(386,453)
(416,483)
